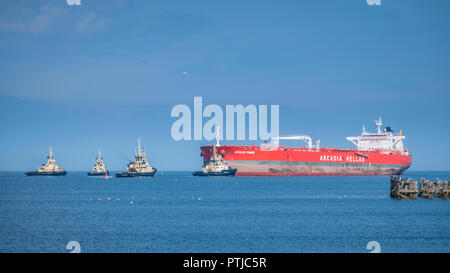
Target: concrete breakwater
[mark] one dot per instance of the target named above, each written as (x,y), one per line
(406,188)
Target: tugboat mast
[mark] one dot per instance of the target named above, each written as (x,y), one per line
(51,158)
(139,145)
(218,136)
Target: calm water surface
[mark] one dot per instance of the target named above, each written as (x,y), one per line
(177,212)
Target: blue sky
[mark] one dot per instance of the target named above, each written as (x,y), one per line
(99,75)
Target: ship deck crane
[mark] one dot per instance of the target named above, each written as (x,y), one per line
(305,138)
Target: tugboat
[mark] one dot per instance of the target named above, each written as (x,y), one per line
(215,166)
(99,168)
(49,169)
(139,167)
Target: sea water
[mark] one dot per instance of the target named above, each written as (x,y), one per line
(177,212)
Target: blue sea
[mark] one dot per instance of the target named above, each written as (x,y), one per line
(176,212)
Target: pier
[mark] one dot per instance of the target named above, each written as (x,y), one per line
(402,188)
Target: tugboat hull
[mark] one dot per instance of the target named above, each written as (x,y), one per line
(60,173)
(230,172)
(97,174)
(136,174)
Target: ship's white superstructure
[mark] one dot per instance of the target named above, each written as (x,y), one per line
(51,165)
(140,165)
(381,140)
(99,166)
(215,163)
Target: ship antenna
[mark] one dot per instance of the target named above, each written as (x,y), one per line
(218,136)
(99,154)
(51,153)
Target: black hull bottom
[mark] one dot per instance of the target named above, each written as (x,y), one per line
(46,173)
(97,174)
(230,172)
(128,174)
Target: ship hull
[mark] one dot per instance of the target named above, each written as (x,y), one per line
(135,174)
(60,173)
(230,172)
(308,169)
(285,161)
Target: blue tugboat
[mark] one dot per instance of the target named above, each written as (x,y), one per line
(215,166)
(230,172)
(139,167)
(136,174)
(49,169)
(99,168)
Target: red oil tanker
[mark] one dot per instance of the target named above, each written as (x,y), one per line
(380,153)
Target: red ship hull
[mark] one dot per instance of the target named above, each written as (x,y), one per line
(284,161)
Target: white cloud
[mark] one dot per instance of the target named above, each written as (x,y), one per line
(41,22)
(90,23)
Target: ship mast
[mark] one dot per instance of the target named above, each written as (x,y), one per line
(218,136)
(379,123)
(51,159)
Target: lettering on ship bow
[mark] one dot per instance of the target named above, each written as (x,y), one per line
(339,158)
